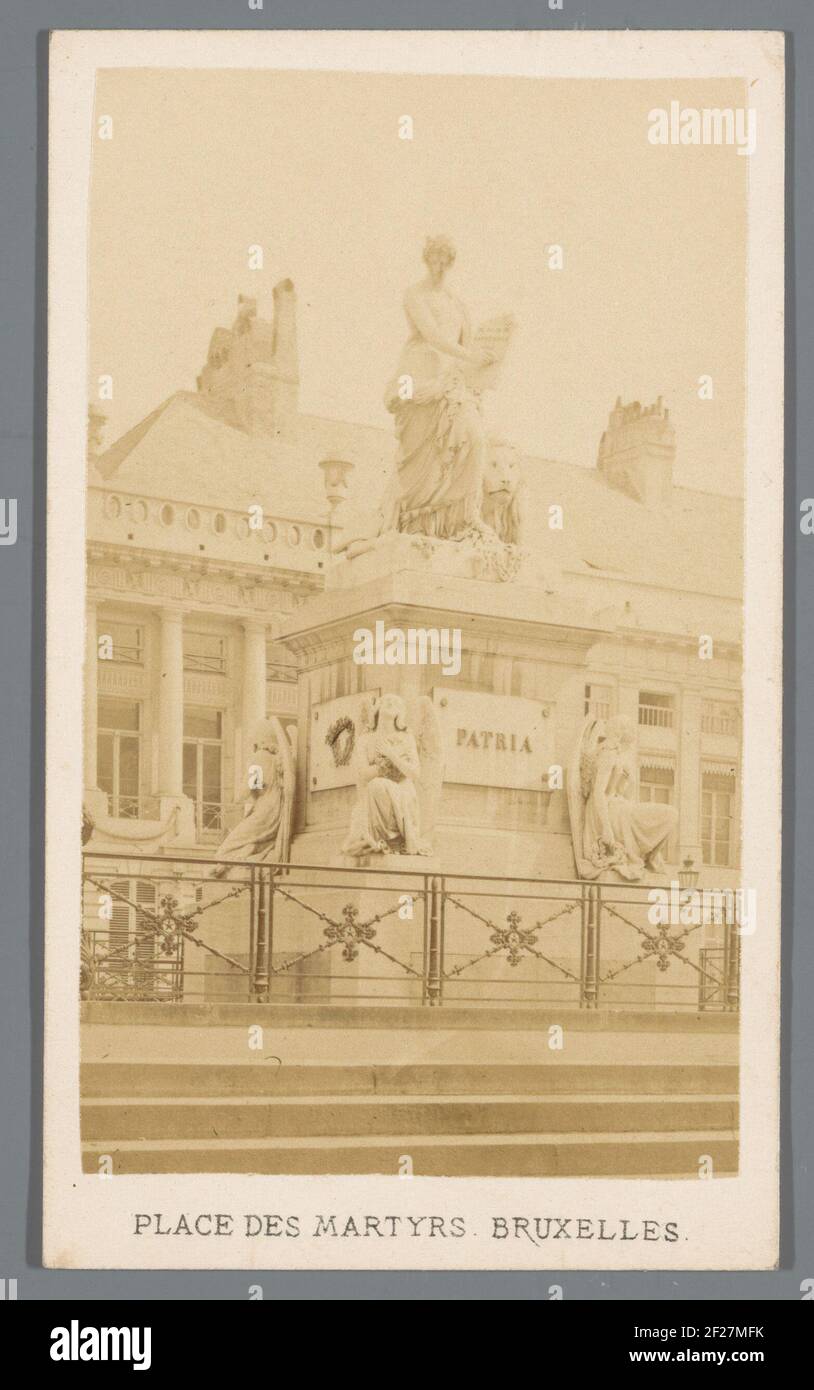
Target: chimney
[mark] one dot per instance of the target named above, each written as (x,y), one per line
(637,452)
(97,423)
(286,357)
(251,377)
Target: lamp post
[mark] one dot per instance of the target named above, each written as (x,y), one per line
(335,473)
(687,875)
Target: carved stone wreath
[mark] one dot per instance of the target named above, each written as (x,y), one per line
(341,739)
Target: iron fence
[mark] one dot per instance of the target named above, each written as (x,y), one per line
(165,928)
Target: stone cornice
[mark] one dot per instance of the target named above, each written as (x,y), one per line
(677,642)
(331,642)
(505,611)
(243,591)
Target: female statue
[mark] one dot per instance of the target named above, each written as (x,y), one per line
(610,830)
(264,833)
(439,429)
(386,817)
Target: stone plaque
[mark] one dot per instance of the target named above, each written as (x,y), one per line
(494,740)
(335,726)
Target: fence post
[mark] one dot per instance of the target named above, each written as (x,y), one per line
(425,940)
(732,963)
(435,952)
(589,964)
(252,929)
(265,926)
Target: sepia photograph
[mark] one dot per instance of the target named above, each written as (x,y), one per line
(414,656)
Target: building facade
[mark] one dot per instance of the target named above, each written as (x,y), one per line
(208,529)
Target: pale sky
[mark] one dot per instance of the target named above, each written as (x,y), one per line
(310,167)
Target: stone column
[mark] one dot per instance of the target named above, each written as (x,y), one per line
(689,775)
(254,693)
(628,702)
(91,702)
(171,704)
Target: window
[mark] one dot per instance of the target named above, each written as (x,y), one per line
(656,710)
(118,753)
(131,935)
(278,664)
(281,697)
(203,767)
(719,717)
(127,643)
(598,701)
(131,966)
(276,672)
(717,817)
(657,785)
(204,651)
(119,930)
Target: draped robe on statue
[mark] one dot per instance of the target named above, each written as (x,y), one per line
(263,831)
(611,830)
(399,769)
(639,830)
(439,431)
(386,817)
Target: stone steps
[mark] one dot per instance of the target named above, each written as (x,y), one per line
(481,1018)
(333,1089)
(611,1154)
(335,1117)
(398,1047)
(261,1076)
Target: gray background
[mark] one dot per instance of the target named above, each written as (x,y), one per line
(23,168)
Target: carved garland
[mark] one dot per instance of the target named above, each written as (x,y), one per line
(341,739)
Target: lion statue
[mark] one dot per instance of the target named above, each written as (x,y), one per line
(502,484)
(500,503)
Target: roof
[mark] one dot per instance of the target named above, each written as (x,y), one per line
(184,452)
(695,542)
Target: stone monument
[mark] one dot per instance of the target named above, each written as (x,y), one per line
(458,617)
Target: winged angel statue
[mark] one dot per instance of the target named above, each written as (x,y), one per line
(609,829)
(399,773)
(264,833)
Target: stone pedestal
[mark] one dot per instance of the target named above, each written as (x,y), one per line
(147,835)
(381,928)
(509,715)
